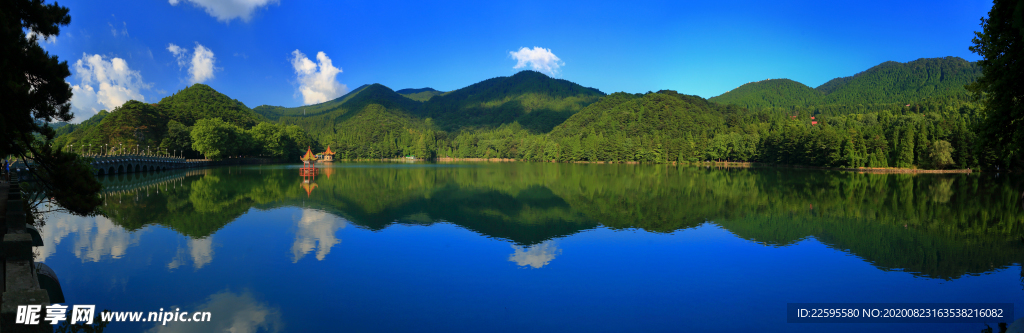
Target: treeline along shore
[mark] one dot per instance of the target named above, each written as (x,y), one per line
(894,118)
(723,164)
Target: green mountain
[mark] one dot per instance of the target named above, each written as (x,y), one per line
(199,101)
(534,100)
(137,123)
(833,84)
(133,123)
(324,121)
(84,126)
(889,83)
(771,93)
(653,127)
(276,112)
(422,94)
(530,116)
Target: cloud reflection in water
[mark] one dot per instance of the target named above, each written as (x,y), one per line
(316,229)
(96,237)
(229,312)
(201,251)
(535,256)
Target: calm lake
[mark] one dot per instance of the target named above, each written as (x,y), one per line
(516,247)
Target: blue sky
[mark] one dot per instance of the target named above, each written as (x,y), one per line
(247,48)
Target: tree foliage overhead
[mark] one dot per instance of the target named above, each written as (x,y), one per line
(35,93)
(1001,87)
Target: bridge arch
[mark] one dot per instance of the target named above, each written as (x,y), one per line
(100,172)
(111,171)
(136,168)
(120,168)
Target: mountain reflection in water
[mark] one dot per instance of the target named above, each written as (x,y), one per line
(942,226)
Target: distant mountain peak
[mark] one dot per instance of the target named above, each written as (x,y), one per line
(409,91)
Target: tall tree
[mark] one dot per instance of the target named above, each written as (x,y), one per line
(905,150)
(217,139)
(34,93)
(1001,87)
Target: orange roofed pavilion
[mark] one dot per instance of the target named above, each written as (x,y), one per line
(327,156)
(309,158)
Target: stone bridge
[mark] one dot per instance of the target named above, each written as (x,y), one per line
(111,165)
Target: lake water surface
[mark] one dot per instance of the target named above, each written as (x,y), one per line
(515,247)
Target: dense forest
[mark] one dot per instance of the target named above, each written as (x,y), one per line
(906,115)
(422,94)
(875,89)
(195,122)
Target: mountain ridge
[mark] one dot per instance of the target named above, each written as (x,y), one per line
(887,83)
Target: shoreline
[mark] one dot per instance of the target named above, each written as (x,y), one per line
(708,164)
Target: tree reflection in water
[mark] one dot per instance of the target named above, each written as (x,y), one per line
(942,226)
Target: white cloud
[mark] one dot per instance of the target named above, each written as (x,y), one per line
(227,10)
(51,39)
(104,84)
(317,85)
(201,67)
(536,256)
(179,53)
(202,64)
(539,59)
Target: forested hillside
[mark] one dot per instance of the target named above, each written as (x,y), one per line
(199,101)
(538,103)
(326,126)
(879,88)
(771,93)
(422,94)
(170,127)
(276,112)
(669,127)
(396,125)
(530,116)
